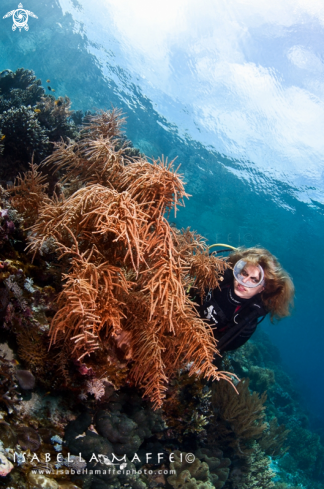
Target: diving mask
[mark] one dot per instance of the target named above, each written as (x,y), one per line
(245,278)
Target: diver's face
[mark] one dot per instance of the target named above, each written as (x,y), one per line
(250,273)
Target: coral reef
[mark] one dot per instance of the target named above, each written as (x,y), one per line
(30,121)
(238,427)
(238,419)
(19,88)
(106,293)
(119,433)
(254,473)
(188,475)
(26,428)
(21,127)
(274,438)
(33,184)
(25,314)
(7,218)
(218,465)
(306,448)
(9,396)
(126,269)
(193,473)
(187,406)
(287,436)
(261,379)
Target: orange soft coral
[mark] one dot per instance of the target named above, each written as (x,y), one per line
(126,269)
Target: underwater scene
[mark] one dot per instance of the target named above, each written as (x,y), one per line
(161,244)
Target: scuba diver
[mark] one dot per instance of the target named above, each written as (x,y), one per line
(254,286)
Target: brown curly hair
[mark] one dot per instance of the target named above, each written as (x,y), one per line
(279,290)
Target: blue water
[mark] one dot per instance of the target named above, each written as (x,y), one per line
(235,91)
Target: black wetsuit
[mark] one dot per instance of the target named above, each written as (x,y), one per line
(232,318)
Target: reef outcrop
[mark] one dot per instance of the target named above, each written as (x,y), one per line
(30,121)
(126,270)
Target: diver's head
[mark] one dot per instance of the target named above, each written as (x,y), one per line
(276,287)
(248,279)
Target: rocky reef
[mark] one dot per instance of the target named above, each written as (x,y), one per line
(102,354)
(297,451)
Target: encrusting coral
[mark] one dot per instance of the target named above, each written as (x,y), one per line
(206,470)
(217,463)
(192,474)
(126,269)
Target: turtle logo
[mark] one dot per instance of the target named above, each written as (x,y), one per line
(20,18)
